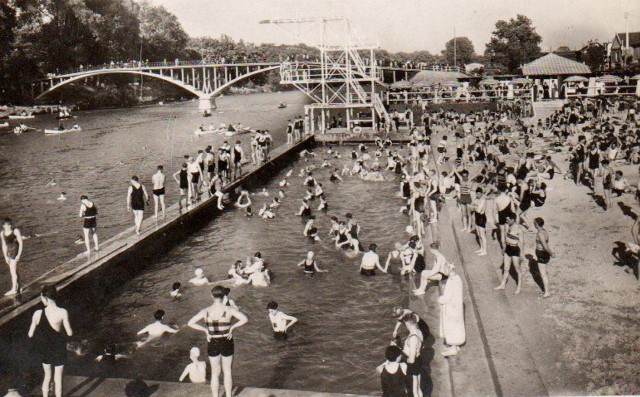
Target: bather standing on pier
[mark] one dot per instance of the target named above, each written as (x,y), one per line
(136,197)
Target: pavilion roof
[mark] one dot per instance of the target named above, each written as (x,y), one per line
(554,65)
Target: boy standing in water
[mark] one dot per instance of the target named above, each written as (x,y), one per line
(158,190)
(197,370)
(280,322)
(156,329)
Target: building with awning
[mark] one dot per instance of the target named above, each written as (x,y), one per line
(553,65)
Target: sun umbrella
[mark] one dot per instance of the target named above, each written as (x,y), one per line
(608,78)
(521,80)
(489,82)
(576,79)
(400,85)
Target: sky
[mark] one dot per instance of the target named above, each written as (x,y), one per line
(408,25)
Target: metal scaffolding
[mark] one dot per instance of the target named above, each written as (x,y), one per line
(345,79)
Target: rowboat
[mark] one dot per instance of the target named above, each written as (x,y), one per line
(58,132)
(223,131)
(4,125)
(19,117)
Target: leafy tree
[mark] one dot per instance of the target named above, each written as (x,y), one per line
(513,43)
(594,55)
(161,33)
(462,50)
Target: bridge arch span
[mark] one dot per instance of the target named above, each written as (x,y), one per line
(102,72)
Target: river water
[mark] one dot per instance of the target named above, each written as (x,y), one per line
(99,161)
(345,319)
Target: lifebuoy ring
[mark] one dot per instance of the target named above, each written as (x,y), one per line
(357,130)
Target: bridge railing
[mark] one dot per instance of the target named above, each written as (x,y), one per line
(148,65)
(469,95)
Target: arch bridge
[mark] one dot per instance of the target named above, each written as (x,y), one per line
(206,81)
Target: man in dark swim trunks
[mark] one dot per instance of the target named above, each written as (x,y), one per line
(513,252)
(543,254)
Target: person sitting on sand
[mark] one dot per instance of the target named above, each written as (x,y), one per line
(199,279)
(620,184)
(196,370)
(156,329)
(280,322)
(62,197)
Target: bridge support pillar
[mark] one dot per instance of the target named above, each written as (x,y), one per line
(207,103)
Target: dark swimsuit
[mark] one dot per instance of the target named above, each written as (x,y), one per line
(513,247)
(503,214)
(465,193)
(89,216)
(541,254)
(184,180)
(12,245)
(393,385)
(309,268)
(137,199)
(52,343)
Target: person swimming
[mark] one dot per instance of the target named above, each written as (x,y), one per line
(199,279)
(62,197)
(175,291)
(265,212)
(156,329)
